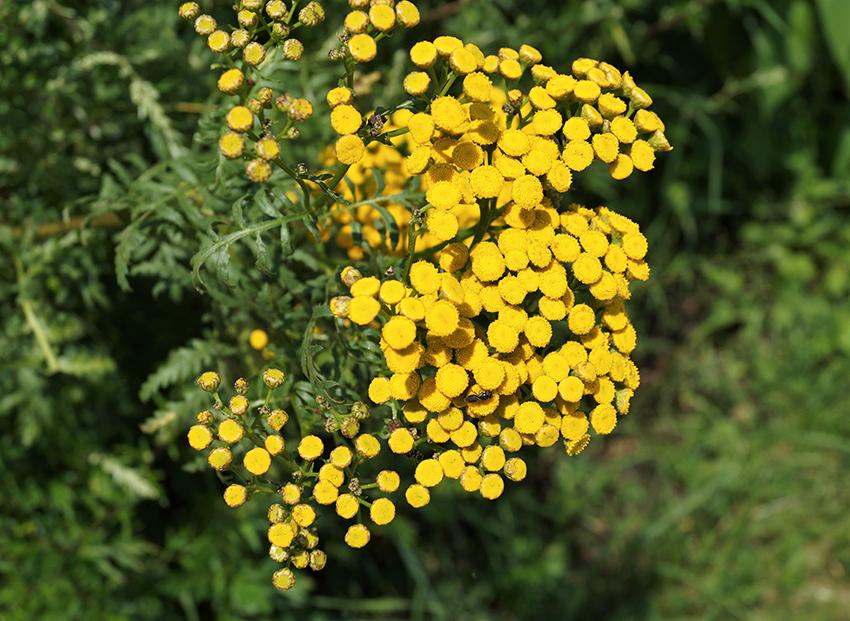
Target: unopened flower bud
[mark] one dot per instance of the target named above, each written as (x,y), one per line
(283,102)
(209,381)
(300,109)
(339,306)
(292,133)
(238,405)
(265,96)
(350,275)
(280,30)
(293,49)
(205,417)
(659,142)
(241,385)
(318,559)
(332,425)
(360,410)
(273,378)
(276,513)
(639,98)
(189,10)
(255,105)
(312,14)
(350,427)
(277,419)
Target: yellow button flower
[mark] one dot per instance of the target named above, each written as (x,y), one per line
(363,309)
(303,515)
(362,48)
(230,431)
(603,418)
(417,496)
(412,308)
(424,277)
(435,432)
(382,511)
(407,14)
(470,479)
(349,149)
(257,461)
(453,257)
(429,472)
(382,17)
(416,83)
(449,115)
(291,494)
(220,458)
(399,332)
(401,441)
(388,481)
(235,495)
(240,119)
(200,437)
(404,386)
(452,380)
(577,155)
(452,463)
(367,446)
(529,418)
(442,318)
(492,486)
(621,167)
(423,54)
(347,506)
(624,129)
(357,535)
(310,447)
(510,440)
(281,534)
(446,45)
(477,87)
(379,390)
(502,337)
(581,319)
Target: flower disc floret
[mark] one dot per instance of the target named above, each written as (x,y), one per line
(527,191)
(362,48)
(429,473)
(449,115)
(357,536)
(257,461)
(399,332)
(310,447)
(363,309)
(442,318)
(382,511)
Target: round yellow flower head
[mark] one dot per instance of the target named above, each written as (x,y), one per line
(388,481)
(220,458)
(189,10)
(379,390)
(235,495)
(200,437)
(417,496)
(400,441)
(449,115)
(417,83)
(283,579)
(441,318)
(310,447)
(205,25)
(424,277)
(367,446)
(357,536)
(515,469)
(407,14)
(382,511)
(257,461)
(362,48)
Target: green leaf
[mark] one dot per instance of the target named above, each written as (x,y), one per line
(835,23)
(238,215)
(262,201)
(285,240)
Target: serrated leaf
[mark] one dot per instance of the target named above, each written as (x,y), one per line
(262,253)
(262,200)
(285,240)
(238,215)
(222,265)
(182,365)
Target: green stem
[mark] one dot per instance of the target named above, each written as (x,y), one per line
(33,320)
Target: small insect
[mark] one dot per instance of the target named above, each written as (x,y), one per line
(481,396)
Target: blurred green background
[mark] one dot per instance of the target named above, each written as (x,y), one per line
(724,494)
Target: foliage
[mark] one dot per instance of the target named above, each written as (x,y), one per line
(724,492)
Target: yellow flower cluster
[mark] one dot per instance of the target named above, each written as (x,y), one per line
(369,22)
(320,477)
(257,19)
(519,334)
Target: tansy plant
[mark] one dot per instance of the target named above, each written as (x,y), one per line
(493,303)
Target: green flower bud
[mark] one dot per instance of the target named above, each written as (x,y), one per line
(273,378)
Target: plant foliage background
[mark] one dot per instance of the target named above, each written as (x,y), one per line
(724,495)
